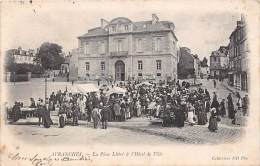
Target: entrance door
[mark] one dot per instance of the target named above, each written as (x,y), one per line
(119,70)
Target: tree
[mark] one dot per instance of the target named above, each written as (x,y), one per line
(204,62)
(9,63)
(49,56)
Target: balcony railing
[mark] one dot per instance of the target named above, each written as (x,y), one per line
(119,54)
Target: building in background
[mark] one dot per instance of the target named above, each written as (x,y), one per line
(188,64)
(125,50)
(238,56)
(204,71)
(21,56)
(219,63)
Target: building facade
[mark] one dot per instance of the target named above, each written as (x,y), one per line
(219,63)
(204,72)
(21,56)
(188,64)
(238,57)
(125,50)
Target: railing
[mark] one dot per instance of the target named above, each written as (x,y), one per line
(119,54)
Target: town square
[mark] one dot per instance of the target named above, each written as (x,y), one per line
(129,80)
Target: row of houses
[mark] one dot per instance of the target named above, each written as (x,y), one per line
(231,61)
(189,65)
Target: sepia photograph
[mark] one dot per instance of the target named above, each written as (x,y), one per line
(130,82)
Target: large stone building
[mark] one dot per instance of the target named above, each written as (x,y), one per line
(21,56)
(124,50)
(219,62)
(188,64)
(238,56)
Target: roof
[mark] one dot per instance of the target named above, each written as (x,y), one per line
(98,31)
(140,26)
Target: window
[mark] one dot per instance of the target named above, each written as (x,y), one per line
(86,49)
(126,28)
(215,58)
(119,45)
(158,74)
(140,74)
(140,65)
(157,44)
(87,66)
(114,28)
(158,64)
(102,48)
(102,66)
(139,45)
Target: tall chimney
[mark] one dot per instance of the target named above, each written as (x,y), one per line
(103,23)
(155,19)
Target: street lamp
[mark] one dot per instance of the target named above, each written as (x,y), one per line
(45,89)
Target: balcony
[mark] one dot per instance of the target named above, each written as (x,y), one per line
(119,54)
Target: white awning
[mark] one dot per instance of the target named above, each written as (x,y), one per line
(86,88)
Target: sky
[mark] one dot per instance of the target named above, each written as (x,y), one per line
(197,26)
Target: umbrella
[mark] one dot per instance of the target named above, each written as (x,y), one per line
(86,88)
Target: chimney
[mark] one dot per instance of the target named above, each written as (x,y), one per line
(103,23)
(155,19)
(239,24)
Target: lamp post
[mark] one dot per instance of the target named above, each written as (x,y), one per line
(45,89)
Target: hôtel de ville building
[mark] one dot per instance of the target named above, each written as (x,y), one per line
(122,49)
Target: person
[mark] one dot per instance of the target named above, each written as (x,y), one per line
(179,116)
(215,83)
(40,111)
(117,111)
(238,109)
(222,110)
(123,110)
(202,115)
(215,103)
(104,115)
(16,112)
(89,110)
(213,123)
(96,116)
(245,105)
(231,111)
(75,114)
(207,105)
(33,105)
(207,94)
(62,117)
(190,110)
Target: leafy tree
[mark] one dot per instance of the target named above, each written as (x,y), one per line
(204,62)
(9,63)
(49,56)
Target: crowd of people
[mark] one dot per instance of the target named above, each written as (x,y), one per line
(174,103)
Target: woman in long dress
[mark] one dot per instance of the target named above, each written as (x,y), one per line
(202,115)
(191,111)
(138,109)
(231,111)
(213,123)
